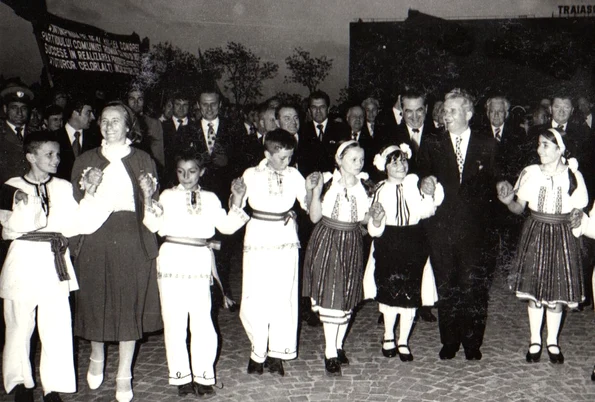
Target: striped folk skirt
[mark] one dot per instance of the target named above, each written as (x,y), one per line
(334,268)
(548,264)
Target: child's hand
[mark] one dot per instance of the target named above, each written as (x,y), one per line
(20,195)
(238,188)
(576,216)
(505,192)
(376,212)
(92,179)
(313,181)
(428,185)
(147,185)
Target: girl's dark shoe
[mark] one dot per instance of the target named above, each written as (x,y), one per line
(342,357)
(405,357)
(556,358)
(332,367)
(533,357)
(392,352)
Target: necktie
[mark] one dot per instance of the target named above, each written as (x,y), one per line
(498,134)
(19,131)
(320,128)
(402,218)
(252,130)
(354,136)
(560,127)
(210,138)
(76,144)
(180,121)
(372,129)
(459,153)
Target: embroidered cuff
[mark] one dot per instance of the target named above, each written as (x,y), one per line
(156,209)
(240,213)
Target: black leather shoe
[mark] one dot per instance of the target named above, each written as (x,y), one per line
(381,319)
(255,368)
(392,352)
(473,354)
(23,394)
(593,374)
(556,358)
(448,352)
(342,357)
(405,357)
(204,391)
(425,314)
(274,365)
(52,397)
(186,389)
(533,357)
(332,367)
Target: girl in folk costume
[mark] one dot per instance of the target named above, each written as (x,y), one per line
(269,308)
(548,261)
(37,275)
(333,267)
(400,248)
(186,216)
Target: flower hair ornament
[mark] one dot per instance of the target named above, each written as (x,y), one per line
(572,162)
(380,159)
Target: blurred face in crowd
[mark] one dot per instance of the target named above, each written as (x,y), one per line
(17,113)
(54,122)
(82,120)
(371,112)
(318,110)
(61,100)
(584,106)
(289,120)
(456,117)
(189,174)
(209,105)
(539,116)
(181,107)
(113,125)
(196,113)
(168,109)
(497,113)
(267,122)
(356,119)
(414,112)
(136,101)
(561,110)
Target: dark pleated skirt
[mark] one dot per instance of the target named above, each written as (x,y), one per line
(548,264)
(333,266)
(118,298)
(400,254)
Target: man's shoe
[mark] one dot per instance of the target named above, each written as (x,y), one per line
(23,394)
(381,319)
(204,391)
(448,352)
(473,354)
(332,367)
(425,314)
(52,397)
(312,319)
(274,365)
(254,368)
(186,389)
(342,357)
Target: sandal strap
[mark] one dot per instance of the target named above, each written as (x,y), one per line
(535,344)
(388,341)
(554,346)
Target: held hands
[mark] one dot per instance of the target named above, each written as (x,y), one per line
(428,185)
(92,179)
(147,186)
(314,182)
(505,192)
(376,212)
(576,216)
(238,188)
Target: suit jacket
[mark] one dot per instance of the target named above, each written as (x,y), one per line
(466,209)
(511,151)
(402,136)
(12,159)
(90,140)
(315,155)
(173,144)
(152,141)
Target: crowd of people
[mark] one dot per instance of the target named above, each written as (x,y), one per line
(143,216)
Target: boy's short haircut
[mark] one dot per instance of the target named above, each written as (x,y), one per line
(201,159)
(52,110)
(33,141)
(278,140)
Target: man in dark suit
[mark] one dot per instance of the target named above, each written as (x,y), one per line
(462,161)
(356,121)
(320,138)
(585,108)
(75,137)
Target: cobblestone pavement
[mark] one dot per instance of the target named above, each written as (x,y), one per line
(502,374)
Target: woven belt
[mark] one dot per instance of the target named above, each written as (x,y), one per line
(274,216)
(338,225)
(550,218)
(192,241)
(58,244)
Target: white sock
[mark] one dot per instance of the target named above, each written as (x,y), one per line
(405,324)
(341,335)
(389,329)
(330,337)
(553,326)
(535,322)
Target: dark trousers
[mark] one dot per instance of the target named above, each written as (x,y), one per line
(461,268)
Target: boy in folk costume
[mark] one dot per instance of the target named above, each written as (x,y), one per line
(270,313)
(186,216)
(37,275)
